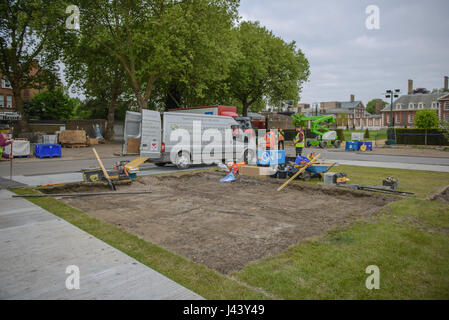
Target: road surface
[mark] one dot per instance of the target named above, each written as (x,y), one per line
(53,171)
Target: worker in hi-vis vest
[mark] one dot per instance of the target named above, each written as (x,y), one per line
(281,139)
(299,141)
(270,140)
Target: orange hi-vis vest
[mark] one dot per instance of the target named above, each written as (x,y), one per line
(269,139)
(280,136)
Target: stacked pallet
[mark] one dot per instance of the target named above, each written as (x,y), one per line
(73,139)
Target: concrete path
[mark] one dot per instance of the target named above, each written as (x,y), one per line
(36,247)
(393,165)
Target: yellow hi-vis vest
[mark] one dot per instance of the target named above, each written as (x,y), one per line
(300,144)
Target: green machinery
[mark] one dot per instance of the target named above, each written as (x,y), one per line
(324,136)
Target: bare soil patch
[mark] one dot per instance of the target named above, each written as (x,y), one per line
(227,225)
(441,196)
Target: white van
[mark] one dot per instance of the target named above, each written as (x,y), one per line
(160,135)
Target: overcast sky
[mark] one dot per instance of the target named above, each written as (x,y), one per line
(346,58)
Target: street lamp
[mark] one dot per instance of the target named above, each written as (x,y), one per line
(391,94)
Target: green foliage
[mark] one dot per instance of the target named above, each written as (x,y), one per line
(162,45)
(340,134)
(426,119)
(31,31)
(444,126)
(371,106)
(267,67)
(366,135)
(51,105)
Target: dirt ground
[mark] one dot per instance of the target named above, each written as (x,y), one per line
(441,196)
(226,225)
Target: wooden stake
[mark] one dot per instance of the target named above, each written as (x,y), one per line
(11,156)
(299,172)
(104,170)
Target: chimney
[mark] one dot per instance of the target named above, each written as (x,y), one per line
(378,106)
(445,84)
(352,98)
(410,87)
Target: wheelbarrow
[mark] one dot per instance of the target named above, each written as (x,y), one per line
(313,171)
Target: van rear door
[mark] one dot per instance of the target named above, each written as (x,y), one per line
(150,143)
(133,121)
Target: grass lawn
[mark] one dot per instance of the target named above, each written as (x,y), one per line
(373,134)
(407,240)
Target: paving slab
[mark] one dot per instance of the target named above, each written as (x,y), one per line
(36,247)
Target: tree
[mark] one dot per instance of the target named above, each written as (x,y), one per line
(371,106)
(426,119)
(158,40)
(28,33)
(51,105)
(421,90)
(366,135)
(342,119)
(267,68)
(444,126)
(91,67)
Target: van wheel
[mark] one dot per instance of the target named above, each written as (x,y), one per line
(323,144)
(337,144)
(182,160)
(248,156)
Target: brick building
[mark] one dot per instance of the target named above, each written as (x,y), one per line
(406,106)
(353,114)
(8,110)
(444,107)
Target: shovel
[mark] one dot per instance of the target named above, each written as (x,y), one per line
(111,185)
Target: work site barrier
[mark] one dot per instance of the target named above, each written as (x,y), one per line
(418,137)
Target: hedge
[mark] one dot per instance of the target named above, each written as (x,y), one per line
(417,137)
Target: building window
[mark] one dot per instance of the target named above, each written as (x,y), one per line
(6,84)
(434,105)
(446,117)
(377,122)
(420,105)
(8,101)
(398,118)
(398,106)
(370,122)
(2,101)
(446,105)
(410,118)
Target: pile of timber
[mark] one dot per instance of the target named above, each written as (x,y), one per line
(73,139)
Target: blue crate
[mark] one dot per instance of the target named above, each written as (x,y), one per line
(47,151)
(368,144)
(351,145)
(266,158)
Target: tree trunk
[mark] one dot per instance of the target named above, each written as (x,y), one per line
(245,108)
(425,138)
(109,135)
(23,123)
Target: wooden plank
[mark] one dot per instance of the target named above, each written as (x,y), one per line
(299,172)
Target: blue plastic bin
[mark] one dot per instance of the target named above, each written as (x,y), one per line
(47,151)
(265,158)
(351,146)
(368,144)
